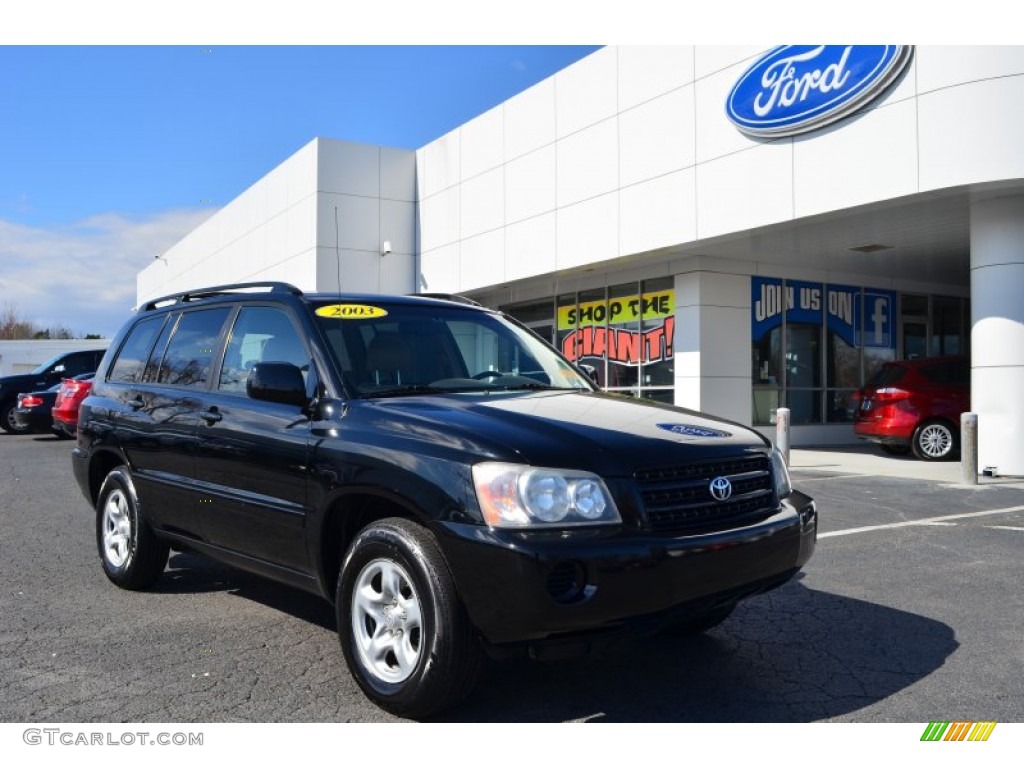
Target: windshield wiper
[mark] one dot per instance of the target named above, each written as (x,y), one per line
(406,389)
(539,385)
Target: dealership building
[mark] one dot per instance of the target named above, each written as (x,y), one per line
(730,229)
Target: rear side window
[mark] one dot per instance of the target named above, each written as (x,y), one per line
(952,372)
(190,352)
(79,363)
(131,360)
(886,376)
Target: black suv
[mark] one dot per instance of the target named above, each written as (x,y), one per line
(450,482)
(65,366)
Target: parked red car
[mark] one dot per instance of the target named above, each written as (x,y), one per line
(69,398)
(915,405)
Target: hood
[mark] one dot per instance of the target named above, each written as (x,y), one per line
(607,434)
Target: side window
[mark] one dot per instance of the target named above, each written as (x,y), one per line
(78,363)
(157,355)
(260,335)
(131,360)
(190,352)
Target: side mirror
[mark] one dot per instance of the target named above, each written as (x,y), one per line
(277,383)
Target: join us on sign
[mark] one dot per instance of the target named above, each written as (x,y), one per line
(861,317)
(776,299)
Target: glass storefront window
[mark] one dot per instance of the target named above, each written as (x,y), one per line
(659,327)
(624,339)
(626,333)
(947,326)
(835,338)
(803,373)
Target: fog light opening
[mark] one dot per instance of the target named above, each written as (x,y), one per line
(567,582)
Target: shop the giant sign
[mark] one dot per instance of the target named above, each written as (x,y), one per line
(798,88)
(593,332)
(860,319)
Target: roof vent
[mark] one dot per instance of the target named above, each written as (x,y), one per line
(871,248)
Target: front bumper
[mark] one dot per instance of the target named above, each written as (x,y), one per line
(514,584)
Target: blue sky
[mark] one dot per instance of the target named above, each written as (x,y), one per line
(109,155)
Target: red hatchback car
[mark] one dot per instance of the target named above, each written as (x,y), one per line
(915,405)
(69,399)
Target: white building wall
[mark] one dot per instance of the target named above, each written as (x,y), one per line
(642,156)
(265,233)
(320,221)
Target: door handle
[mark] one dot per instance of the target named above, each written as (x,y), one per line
(211,416)
(135,403)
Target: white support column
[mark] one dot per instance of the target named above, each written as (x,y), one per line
(712,344)
(997,331)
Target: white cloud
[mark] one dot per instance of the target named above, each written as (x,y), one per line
(82,275)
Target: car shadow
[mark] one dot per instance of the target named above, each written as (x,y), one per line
(794,655)
(188,573)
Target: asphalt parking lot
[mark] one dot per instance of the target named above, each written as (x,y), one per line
(910,611)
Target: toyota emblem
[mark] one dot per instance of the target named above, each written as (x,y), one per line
(721,488)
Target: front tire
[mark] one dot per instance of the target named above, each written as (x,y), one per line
(131,554)
(404,632)
(934,440)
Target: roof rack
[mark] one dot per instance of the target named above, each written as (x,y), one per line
(218,290)
(449,297)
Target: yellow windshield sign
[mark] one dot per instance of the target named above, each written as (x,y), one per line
(351,311)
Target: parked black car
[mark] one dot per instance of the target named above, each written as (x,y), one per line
(45,376)
(32,412)
(449,481)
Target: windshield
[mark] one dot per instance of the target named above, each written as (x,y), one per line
(386,350)
(48,364)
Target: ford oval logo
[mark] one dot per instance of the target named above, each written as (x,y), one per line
(721,488)
(798,88)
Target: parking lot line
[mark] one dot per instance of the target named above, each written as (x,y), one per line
(922,521)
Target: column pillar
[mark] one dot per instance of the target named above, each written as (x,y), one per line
(997,332)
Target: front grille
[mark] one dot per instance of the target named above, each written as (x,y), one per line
(678,498)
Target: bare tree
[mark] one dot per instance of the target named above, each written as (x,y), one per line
(13,325)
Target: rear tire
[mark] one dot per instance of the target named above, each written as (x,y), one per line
(132,556)
(406,636)
(935,440)
(7,420)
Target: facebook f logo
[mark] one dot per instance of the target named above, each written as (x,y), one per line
(878,320)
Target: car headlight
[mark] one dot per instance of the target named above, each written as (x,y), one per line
(783,484)
(521,496)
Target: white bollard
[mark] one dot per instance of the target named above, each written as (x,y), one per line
(969,448)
